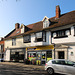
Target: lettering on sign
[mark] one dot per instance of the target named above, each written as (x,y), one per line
(31,48)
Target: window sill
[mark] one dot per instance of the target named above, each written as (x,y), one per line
(39,41)
(61,37)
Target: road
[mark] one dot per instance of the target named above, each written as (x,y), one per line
(6,69)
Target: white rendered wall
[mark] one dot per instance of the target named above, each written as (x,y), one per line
(69,39)
(71,49)
(19,43)
(7,55)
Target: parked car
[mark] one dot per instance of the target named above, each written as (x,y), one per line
(61,66)
(1,59)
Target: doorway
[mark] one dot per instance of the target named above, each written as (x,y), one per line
(17,56)
(43,58)
(61,55)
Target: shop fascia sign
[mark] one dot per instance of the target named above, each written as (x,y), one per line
(31,48)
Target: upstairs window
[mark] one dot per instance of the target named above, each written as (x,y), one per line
(46,22)
(40,36)
(61,33)
(27,39)
(13,41)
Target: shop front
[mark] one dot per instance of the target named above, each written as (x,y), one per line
(40,55)
(17,55)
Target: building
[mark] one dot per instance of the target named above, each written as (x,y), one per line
(48,39)
(63,35)
(1,47)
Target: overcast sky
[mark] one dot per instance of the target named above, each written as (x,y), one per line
(29,11)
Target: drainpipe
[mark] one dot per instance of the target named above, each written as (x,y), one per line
(54,51)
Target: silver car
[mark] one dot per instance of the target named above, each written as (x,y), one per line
(61,66)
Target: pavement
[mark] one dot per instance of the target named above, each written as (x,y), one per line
(24,65)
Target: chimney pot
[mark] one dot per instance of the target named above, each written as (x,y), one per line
(17,26)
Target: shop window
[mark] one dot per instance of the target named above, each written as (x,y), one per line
(31,54)
(40,36)
(49,54)
(21,57)
(38,55)
(13,41)
(27,39)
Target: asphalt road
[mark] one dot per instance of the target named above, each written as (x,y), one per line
(6,69)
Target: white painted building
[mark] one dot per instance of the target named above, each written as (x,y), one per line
(48,39)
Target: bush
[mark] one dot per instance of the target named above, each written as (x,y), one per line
(27,61)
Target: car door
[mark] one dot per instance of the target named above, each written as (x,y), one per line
(69,68)
(58,67)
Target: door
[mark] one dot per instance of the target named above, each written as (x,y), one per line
(61,55)
(43,58)
(17,56)
(38,61)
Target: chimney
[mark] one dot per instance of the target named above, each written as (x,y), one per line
(58,11)
(17,26)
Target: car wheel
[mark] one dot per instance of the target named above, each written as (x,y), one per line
(50,71)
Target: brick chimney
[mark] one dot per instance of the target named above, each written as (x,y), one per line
(58,11)
(17,26)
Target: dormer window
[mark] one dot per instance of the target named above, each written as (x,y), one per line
(22,28)
(46,22)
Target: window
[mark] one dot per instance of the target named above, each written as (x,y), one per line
(40,36)
(13,41)
(69,63)
(49,54)
(46,23)
(27,39)
(61,33)
(63,62)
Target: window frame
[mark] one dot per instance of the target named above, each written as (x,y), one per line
(28,40)
(61,33)
(13,41)
(42,39)
(46,23)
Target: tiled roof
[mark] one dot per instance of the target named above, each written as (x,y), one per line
(64,19)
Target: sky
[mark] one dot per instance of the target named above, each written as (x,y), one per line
(29,11)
